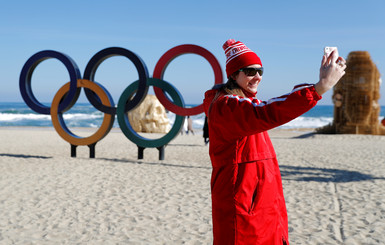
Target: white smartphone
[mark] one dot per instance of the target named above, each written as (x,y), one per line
(328,50)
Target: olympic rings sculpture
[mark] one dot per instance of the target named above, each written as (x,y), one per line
(101,99)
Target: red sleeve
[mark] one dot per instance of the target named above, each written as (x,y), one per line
(243,116)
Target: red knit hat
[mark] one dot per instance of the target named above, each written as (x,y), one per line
(238,56)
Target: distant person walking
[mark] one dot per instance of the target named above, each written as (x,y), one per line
(206,131)
(184,127)
(189,125)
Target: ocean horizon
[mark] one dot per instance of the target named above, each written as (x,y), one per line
(18,114)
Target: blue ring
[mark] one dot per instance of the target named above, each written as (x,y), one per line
(97,59)
(26,76)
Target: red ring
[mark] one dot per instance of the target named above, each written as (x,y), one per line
(171,55)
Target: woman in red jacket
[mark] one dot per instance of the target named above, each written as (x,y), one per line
(248,205)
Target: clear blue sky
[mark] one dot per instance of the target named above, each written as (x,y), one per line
(289,36)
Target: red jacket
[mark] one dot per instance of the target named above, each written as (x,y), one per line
(248,205)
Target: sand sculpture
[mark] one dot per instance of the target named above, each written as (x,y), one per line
(355,98)
(149,117)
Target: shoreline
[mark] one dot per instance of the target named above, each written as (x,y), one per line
(118,129)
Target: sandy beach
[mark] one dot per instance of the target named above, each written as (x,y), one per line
(333,185)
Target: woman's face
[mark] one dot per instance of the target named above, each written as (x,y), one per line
(247,82)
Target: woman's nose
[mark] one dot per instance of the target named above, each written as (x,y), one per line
(257,75)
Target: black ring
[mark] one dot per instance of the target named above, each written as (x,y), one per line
(97,59)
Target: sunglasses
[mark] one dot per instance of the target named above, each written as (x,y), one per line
(252,71)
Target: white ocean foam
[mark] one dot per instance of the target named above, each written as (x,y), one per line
(92,119)
(308,122)
(198,123)
(9,117)
(92,125)
(300,122)
(82,116)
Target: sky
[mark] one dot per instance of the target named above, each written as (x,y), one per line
(289,36)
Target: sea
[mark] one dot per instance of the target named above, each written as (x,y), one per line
(18,114)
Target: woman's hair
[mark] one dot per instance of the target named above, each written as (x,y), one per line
(232,87)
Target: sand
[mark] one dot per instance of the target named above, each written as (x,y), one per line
(333,185)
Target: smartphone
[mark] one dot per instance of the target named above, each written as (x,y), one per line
(328,50)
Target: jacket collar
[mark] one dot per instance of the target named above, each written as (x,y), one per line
(248,94)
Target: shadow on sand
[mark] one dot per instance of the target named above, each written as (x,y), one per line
(23,156)
(164,164)
(298,173)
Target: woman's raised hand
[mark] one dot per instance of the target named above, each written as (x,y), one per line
(331,71)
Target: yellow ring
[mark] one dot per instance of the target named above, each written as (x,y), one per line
(63,131)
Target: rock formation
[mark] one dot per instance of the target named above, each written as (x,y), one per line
(149,117)
(355,98)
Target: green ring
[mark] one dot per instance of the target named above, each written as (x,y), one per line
(125,125)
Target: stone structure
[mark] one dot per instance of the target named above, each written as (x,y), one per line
(149,117)
(355,98)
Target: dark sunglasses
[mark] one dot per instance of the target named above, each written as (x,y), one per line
(252,71)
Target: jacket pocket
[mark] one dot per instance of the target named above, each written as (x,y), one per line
(284,241)
(254,197)
(246,187)
(257,194)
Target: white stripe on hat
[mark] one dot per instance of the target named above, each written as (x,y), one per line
(238,54)
(235,45)
(235,51)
